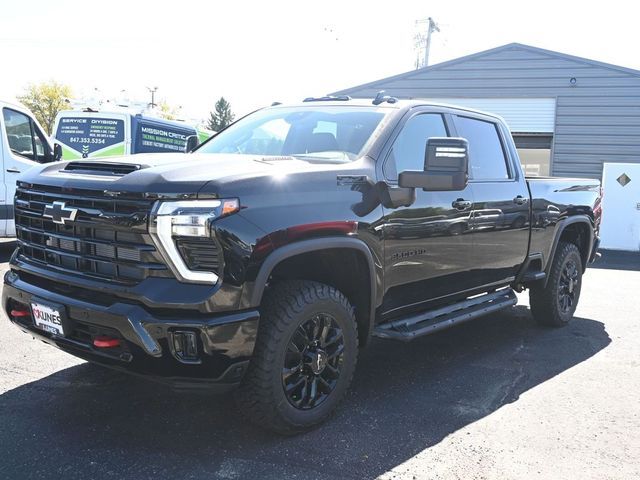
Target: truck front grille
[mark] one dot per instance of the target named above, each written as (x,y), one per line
(106,239)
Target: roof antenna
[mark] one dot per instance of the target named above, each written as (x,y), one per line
(382,98)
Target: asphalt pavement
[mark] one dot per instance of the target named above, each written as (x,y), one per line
(497,398)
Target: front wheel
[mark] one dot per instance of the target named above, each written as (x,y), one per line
(304,357)
(555,304)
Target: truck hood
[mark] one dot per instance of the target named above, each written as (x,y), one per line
(171,174)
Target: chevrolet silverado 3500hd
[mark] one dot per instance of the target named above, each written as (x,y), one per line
(271,254)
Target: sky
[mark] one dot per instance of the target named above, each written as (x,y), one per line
(256,52)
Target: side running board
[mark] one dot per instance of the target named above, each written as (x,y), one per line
(433,321)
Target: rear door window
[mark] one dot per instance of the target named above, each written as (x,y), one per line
(487,159)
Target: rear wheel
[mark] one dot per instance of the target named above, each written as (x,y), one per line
(304,357)
(555,304)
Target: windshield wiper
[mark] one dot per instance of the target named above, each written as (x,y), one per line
(333,157)
(273,158)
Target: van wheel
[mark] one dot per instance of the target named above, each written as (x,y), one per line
(304,357)
(555,304)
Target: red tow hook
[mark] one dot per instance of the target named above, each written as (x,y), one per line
(20,313)
(106,342)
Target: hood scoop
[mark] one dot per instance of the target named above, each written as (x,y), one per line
(103,168)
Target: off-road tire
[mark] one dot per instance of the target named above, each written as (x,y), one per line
(286,307)
(547,306)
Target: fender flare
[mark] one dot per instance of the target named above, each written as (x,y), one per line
(313,245)
(562,225)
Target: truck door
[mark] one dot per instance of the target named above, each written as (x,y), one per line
(500,216)
(25,145)
(428,244)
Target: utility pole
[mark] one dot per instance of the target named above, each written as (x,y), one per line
(432,26)
(153,96)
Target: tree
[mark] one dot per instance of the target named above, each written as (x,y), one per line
(221,117)
(45,100)
(167,111)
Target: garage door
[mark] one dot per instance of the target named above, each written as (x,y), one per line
(523,115)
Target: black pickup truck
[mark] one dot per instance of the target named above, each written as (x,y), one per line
(268,256)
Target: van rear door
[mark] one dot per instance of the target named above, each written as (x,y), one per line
(92,134)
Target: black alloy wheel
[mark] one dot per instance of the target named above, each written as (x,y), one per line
(313,362)
(555,302)
(304,358)
(569,279)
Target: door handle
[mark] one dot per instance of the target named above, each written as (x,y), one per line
(520,200)
(13,170)
(461,204)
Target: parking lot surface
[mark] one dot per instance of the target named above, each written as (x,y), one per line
(498,398)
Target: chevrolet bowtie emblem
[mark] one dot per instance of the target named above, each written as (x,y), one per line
(59,213)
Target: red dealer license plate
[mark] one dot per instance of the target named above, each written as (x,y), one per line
(47,318)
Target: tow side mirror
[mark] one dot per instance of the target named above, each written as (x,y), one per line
(57,152)
(192,143)
(446,164)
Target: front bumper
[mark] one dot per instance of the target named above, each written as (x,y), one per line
(224,342)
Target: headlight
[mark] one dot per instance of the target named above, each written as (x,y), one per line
(190,218)
(187,218)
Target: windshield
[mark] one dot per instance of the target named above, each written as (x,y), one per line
(324,133)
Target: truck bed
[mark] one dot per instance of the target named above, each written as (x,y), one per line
(553,199)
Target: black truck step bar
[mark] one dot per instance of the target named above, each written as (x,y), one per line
(433,321)
(530,277)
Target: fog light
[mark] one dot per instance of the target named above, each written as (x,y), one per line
(185,345)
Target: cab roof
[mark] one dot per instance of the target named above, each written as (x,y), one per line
(397,105)
(13,104)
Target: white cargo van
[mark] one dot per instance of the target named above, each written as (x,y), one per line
(23,144)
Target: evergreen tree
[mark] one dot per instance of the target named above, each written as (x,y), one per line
(221,117)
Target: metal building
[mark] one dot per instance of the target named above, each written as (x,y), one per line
(568,115)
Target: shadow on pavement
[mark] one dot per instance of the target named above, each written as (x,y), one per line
(617,260)
(89,422)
